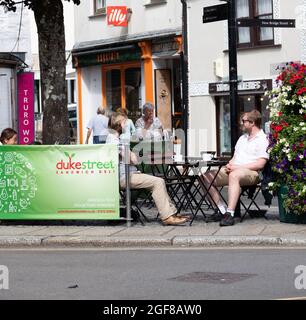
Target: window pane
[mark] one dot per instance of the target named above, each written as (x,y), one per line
(113,89)
(225,126)
(243,10)
(133,92)
(266,33)
(264,6)
(244,35)
(100,4)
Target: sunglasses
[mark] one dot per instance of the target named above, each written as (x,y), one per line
(246,120)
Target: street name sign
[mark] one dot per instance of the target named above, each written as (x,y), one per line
(215,13)
(267,23)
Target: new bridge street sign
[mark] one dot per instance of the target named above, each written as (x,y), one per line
(267,23)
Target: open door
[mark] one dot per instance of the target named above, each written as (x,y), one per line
(163,94)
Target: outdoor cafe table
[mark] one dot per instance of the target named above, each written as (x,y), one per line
(183,180)
(216,165)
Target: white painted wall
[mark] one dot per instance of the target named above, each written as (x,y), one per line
(5,98)
(9,26)
(142,19)
(91,94)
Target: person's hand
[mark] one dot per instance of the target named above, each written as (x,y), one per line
(231,167)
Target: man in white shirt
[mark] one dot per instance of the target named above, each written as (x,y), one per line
(242,170)
(98,125)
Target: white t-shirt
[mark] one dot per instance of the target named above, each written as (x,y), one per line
(99,125)
(248,151)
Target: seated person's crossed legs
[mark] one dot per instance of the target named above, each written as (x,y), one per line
(157,186)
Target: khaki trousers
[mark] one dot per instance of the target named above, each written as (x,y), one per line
(159,192)
(248,177)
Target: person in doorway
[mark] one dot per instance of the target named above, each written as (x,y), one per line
(148,126)
(242,170)
(8,137)
(98,125)
(165,207)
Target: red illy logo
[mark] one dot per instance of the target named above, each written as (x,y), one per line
(117,16)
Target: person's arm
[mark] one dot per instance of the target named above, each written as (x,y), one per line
(88,135)
(255,166)
(132,127)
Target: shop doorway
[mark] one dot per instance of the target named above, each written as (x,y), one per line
(245,103)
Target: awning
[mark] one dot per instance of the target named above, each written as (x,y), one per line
(117,42)
(10,59)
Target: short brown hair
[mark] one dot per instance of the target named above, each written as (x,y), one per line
(254,116)
(7,134)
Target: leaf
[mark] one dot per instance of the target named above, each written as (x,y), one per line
(67,154)
(72,155)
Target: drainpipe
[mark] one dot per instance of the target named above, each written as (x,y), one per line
(184,74)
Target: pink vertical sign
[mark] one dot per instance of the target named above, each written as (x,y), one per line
(26,120)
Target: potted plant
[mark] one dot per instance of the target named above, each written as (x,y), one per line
(287,142)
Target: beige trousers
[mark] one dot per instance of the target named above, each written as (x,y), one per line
(159,192)
(248,177)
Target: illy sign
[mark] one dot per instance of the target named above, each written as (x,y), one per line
(117,16)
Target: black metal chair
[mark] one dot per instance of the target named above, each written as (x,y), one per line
(252,192)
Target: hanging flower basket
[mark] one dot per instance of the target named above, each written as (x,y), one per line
(287,138)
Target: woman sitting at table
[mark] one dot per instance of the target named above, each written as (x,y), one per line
(165,207)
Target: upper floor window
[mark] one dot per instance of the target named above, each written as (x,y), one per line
(255,36)
(152,2)
(99,6)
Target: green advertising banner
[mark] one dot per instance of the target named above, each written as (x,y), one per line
(59,182)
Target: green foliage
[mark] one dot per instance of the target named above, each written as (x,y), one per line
(287,139)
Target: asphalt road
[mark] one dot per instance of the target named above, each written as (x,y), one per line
(152,274)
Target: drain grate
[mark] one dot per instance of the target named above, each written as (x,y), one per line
(214,277)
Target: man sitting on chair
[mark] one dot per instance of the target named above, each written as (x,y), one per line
(249,158)
(165,207)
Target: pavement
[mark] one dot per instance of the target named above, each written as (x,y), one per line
(115,234)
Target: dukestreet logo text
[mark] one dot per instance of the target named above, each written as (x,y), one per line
(70,165)
(117,16)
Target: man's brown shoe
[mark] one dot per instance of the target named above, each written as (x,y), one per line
(183,216)
(173,221)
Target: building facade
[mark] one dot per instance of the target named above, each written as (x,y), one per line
(126,66)
(261,52)
(15,55)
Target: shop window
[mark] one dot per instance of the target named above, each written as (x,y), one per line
(255,36)
(99,6)
(133,92)
(122,89)
(245,103)
(113,89)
